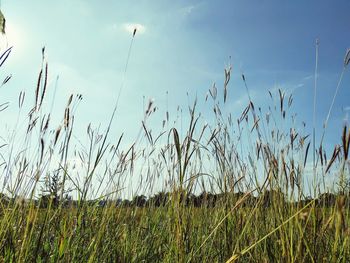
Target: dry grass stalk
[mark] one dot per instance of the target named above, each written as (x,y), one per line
(37,90)
(213,91)
(347,57)
(6,80)
(4,106)
(21,97)
(2,23)
(5,55)
(346,142)
(44,86)
(66,118)
(334,156)
(227,80)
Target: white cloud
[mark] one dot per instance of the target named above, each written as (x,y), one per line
(130,27)
(187,10)
(309,77)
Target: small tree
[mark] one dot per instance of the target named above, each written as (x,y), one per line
(53,188)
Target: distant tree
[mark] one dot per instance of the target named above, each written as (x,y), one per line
(44,201)
(67,201)
(52,188)
(118,202)
(270,196)
(102,203)
(126,203)
(139,201)
(326,199)
(190,199)
(160,199)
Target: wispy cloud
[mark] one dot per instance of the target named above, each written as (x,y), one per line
(308,77)
(187,9)
(294,88)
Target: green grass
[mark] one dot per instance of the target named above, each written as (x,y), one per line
(152,235)
(263,156)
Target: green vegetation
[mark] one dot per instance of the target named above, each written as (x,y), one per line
(232,190)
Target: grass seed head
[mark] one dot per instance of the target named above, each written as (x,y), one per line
(347,57)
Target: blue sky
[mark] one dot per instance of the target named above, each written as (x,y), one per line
(181,47)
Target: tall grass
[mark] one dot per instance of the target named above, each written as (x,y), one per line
(249,172)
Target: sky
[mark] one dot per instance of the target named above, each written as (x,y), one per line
(180,49)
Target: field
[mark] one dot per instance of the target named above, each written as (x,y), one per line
(230,190)
(280,232)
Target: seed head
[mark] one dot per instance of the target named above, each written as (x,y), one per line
(347,57)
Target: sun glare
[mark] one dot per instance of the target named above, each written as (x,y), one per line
(12,37)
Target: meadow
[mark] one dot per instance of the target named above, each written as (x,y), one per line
(234,190)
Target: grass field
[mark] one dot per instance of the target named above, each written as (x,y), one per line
(250,172)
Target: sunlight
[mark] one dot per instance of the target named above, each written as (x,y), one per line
(14,35)
(174,131)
